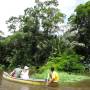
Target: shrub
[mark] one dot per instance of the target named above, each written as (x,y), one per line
(64,62)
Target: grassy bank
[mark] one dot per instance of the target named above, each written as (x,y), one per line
(64,77)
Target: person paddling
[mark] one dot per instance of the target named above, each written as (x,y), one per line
(52,76)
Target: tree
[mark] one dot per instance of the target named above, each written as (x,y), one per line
(81,23)
(34,45)
(13,23)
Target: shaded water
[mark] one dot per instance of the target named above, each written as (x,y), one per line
(7,85)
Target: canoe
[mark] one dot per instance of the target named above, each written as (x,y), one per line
(31,81)
(6,76)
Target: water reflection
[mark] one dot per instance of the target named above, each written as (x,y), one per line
(24,88)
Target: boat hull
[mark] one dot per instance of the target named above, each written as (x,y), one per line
(31,81)
(6,76)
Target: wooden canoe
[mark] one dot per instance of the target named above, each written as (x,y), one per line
(6,76)
(31,81)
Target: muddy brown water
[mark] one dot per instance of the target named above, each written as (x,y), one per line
(7,85)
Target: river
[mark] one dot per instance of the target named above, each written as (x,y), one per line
(7,85)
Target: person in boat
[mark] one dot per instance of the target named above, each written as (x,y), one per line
(25,73)
(16,72)
(52,76)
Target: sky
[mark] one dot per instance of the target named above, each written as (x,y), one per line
(10,8)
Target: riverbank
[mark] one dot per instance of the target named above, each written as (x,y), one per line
(64,77)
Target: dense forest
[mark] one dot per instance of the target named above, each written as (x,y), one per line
(34,41)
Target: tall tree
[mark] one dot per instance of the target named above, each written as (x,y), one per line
(80,22)
(38,25)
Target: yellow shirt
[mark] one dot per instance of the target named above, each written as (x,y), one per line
(55,76)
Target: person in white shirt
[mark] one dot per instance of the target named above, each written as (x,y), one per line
(25,73)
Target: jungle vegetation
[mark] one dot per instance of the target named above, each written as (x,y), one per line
(34,43)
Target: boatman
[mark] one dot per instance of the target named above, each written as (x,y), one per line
(52,76)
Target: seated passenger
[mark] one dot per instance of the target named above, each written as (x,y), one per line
(16,72)
(25,73)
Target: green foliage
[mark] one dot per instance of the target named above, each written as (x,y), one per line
(65,62)
(1,67)
(80,23)
(42,75)
(64,77)
(13,23)
(31,45)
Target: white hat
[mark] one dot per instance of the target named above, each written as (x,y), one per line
(26,67)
